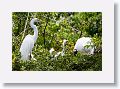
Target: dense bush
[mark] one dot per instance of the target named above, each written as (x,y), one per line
(53,28)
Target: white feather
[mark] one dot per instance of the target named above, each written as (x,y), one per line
(82,43)
(51,52)
(26,47)
(58,54)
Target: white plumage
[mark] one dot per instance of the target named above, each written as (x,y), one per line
(29,41)
(84,45)
(64,44)
(26,47)
(51,52)
(58,54)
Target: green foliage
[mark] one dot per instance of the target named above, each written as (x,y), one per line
(53,28)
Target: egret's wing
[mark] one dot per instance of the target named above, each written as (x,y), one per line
(26,47)
(78,44)
(82,42)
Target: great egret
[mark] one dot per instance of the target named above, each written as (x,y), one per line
(29,41)
(81,46)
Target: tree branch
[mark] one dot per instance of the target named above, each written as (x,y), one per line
(44,30)
(25,26)
(80,34)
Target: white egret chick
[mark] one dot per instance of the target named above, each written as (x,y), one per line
(81,44)
(64,44)
(58,54)
(51,52)
(29,41)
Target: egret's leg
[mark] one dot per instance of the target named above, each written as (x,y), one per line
(32,57)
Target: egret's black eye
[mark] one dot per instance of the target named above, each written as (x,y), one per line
(75,51)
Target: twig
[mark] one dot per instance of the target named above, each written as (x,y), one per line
(33,15)
(80,35)
(44,30)
(44,33)
(25,26)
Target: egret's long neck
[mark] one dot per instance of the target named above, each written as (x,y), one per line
(35,31)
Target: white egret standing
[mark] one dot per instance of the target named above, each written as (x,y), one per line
(29,41)
(81,46)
